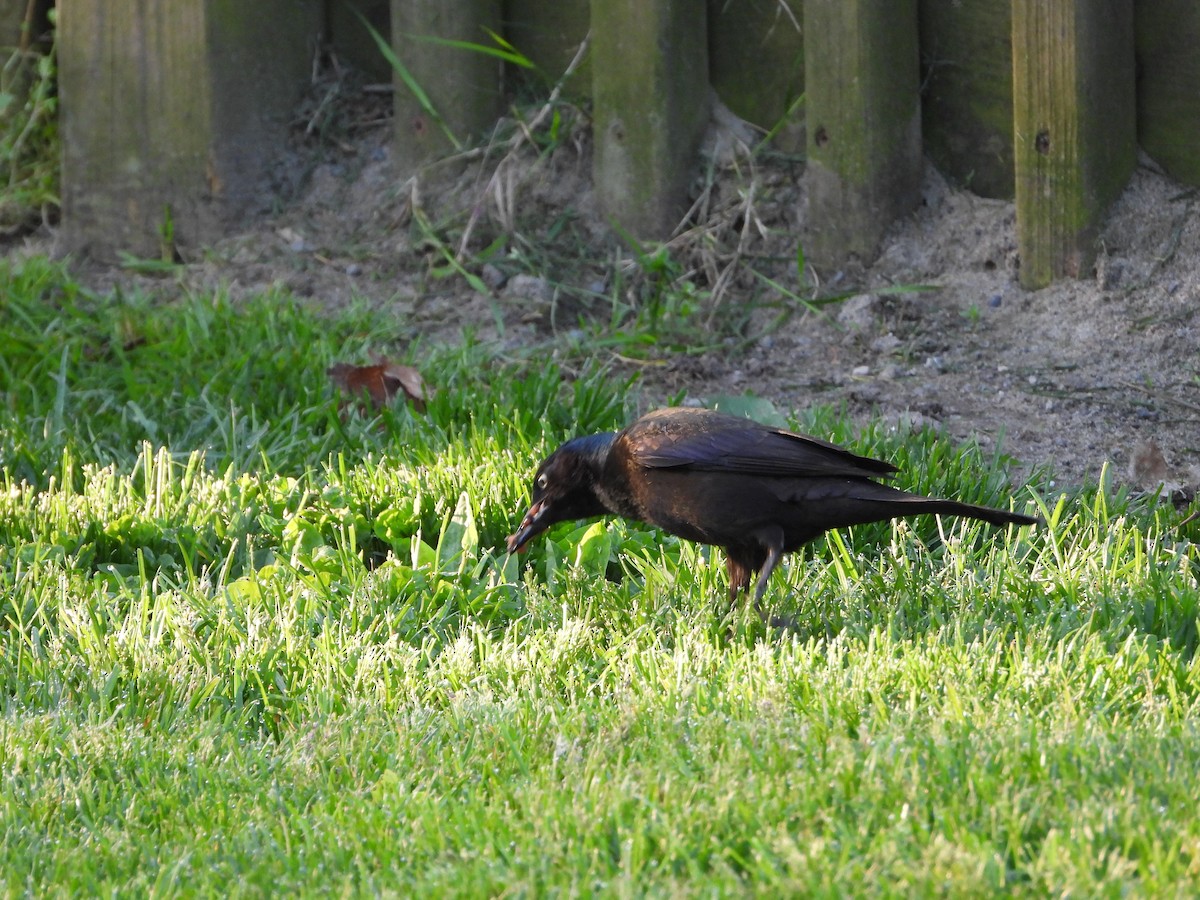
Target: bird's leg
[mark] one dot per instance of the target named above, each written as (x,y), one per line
(739,577)
(772,539)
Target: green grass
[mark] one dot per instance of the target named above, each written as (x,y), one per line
(251,646)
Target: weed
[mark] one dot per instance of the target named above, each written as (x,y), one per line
(29,140)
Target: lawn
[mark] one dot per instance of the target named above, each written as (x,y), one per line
(253,642)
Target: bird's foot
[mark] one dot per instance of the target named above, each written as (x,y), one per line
(785,622)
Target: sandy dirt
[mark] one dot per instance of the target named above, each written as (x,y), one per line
(1100,370)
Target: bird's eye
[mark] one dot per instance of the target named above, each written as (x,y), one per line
(541,482)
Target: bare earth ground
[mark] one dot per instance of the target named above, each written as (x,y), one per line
(1072,377)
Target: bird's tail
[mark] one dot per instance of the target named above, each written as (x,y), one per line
(987,514)
(862,502)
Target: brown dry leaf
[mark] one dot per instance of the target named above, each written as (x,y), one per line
(1149,470)
(380,383)
(1147,465)
(407,379)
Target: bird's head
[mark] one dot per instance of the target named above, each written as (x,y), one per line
(564,487)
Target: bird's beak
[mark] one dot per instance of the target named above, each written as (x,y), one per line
(531,526)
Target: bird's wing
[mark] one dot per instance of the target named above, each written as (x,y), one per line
(748,448)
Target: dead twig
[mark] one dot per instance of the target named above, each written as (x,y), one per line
(501,185)
(727,274)
(1132,385)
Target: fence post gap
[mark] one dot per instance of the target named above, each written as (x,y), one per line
(1168,84)
(352,42)
(756,63)
(549,34)
(446,95)
(967,93)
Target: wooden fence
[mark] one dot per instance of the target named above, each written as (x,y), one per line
(172,111)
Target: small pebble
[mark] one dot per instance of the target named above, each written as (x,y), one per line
(885,344)
(860,371)
(995,300)
(492,276)
(353,269)
(529,287)
(859,313)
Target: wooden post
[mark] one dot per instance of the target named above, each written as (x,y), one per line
(550,35)
(1073,92)
(756,63)
(864,124)
(461,86)
(651,98)
(171,114)
(967,100)
(1168,86)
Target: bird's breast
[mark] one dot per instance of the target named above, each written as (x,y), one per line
(615,492)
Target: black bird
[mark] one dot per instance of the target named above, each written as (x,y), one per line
(755,490)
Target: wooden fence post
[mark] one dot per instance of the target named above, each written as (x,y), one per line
(1168,86)
(756,63)
(462,86)
(967,99)
(651,99)
(171,114)
(864,123)
(1073,92)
